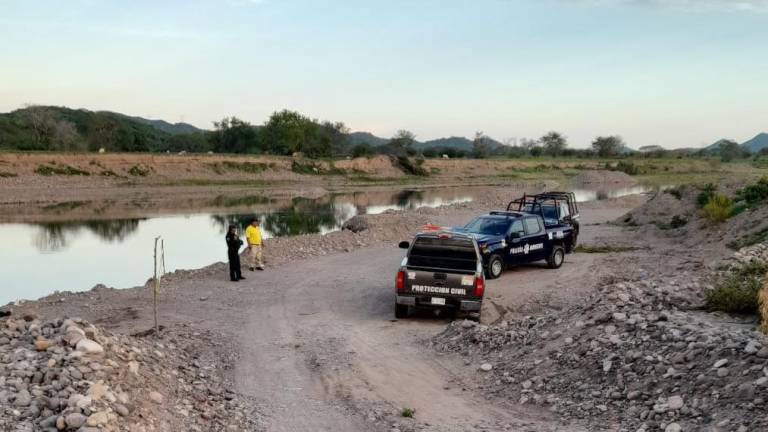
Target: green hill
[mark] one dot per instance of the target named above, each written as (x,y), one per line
(64,129)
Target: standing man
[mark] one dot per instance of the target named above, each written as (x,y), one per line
(255,245)
(233,253)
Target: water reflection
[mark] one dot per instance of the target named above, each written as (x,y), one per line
(55,236)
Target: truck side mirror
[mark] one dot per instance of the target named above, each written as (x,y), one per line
(515,235)
(404,245)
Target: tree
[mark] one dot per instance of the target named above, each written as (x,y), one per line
(402,143)
(362,150)
(232,135)
(608,146)
(480,145)
(66,138)
(729,150)
(553,143)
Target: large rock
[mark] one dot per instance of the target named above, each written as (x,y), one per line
(87,346)
(356,224)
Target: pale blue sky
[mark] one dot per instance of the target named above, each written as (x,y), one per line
(675,73)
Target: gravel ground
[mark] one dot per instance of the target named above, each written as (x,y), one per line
(310,344)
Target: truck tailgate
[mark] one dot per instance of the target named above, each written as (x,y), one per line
(437,283)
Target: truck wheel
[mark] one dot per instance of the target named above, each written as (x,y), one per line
(495,267)
(401,311)
(556,257)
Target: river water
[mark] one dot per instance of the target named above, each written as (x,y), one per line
(41,258)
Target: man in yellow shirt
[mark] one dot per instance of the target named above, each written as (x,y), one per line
(255,245)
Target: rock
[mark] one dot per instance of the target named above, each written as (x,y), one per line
(23,399)
(618,316)
(752,347)
(633,395)
(673,427)
(156,397)
(486,367)
(467,324)
(42,344)
(122,410)
(75,420)
(763,353)
(356,224)
(98,419)
(97,391)
(675,402)
(720,363)
(89,347)
(723,372)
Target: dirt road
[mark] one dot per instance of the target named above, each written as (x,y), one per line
(313,345)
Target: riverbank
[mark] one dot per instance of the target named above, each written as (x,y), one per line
(307,320)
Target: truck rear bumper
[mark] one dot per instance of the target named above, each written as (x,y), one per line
(425,302)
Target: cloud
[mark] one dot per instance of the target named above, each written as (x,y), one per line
(738,5)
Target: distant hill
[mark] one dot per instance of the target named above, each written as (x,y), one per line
(759,142)
(714,147)
(356,138)
(162,125)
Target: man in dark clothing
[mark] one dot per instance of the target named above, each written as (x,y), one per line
(233,253)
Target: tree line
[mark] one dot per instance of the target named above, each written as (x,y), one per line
(284,133)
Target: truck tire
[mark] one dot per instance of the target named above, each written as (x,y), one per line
(401,311)
(495,267)
(556,257)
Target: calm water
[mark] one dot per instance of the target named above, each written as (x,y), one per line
(40,258)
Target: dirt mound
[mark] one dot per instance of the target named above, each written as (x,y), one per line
(628,355)
(377,167)
(676,214)
(67,374)
(602,177)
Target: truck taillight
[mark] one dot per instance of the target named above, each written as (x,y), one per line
(479,286)
(400,281)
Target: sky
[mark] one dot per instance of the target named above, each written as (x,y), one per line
(675,73)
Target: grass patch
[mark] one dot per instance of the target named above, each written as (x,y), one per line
(139,170)
(246,167)
(599,249)
(49,170)
(64,206)
(224,201)
(718,209)
(407,412)
(108,173)
(736,290)
(4,174)
(707,192)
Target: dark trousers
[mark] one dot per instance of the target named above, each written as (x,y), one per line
(234,266)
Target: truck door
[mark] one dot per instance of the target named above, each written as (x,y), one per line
(534,242)
(515,238)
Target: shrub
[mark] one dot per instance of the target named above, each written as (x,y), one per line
(754,194)
(410,168)
(139,171)
(407,412)
(678,221)
(706,193)
(307,167)
(736,291)
(49,170)
(676,192)
(4,174)
(718,209)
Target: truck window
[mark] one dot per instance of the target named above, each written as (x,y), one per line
(443,253)
(489,226)
(532,226)
(517,227)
